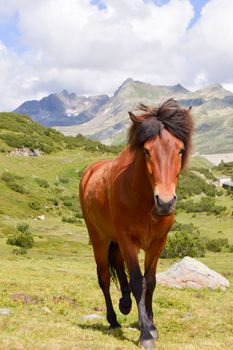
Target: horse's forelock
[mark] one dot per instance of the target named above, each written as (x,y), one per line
(170,116)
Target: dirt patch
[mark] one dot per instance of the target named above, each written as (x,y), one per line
(26,298)
(64,298)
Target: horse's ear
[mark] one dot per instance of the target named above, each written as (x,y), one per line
(134,118)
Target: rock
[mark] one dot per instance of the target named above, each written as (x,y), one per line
(26,152)
(41,217)
(190,273)
(45,309)
(5,311)
(91,317)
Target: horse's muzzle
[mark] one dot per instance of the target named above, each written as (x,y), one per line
(164,208)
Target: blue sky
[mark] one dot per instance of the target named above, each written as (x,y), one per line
(91,46)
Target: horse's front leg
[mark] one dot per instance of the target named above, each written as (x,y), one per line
(151,260)
(138,288)
(150,281)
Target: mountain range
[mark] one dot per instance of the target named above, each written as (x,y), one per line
(105,118)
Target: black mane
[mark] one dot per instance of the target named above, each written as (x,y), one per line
(170,116)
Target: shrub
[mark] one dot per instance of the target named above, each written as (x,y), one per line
(70,219)
(22,237)
(190,184)
(42,183)
(9,179)
(231,248)
(216,244)
(72,203)
(206,204)
(17,188)
(63,179)
(54,201)
(34,205)
(184,240)
(79,213)
(67,203)
(206,172)
(23,227)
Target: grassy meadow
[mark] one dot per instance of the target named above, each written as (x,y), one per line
(48,290)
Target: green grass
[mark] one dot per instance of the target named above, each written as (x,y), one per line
(61,267)
(58,274)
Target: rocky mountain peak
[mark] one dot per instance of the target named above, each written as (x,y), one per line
(178,88)
(128,82)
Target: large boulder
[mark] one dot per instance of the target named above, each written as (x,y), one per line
(190,273)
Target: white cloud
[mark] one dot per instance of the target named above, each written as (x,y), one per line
(74,45)
(209,45)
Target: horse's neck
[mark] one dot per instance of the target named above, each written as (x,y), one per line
(134,176)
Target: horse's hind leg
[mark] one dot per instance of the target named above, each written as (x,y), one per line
(101,256)
(117,263)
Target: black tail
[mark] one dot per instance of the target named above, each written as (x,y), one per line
(112,252)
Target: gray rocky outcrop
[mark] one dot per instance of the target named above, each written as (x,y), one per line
(26,152)
(190,273)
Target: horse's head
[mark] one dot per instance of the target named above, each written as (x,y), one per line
(163,135)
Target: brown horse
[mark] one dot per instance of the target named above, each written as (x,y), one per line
(128,204)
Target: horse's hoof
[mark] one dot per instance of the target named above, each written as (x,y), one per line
(125,306)
(147,343)
(154,333)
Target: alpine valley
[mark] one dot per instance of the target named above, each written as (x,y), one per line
(106,118)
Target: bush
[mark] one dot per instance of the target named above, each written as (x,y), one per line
(231,248)
(17,188)
(42,183)
(184,240)
(63,179)
(70,219)
(206,172)
(34,205)
(190,184)
(216,244)
(9,180)
(206,204)
(72,203)
(22,237)
(23,228)
(24,240)
(8,177)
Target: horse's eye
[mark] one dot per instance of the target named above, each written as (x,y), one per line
(181,152)
(146,152)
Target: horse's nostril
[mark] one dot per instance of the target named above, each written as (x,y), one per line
(162,204)
(157,200)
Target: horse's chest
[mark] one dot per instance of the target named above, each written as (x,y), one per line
(144,232)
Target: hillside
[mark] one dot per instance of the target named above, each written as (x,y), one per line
(106,119)
(48,289)
(17,131)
